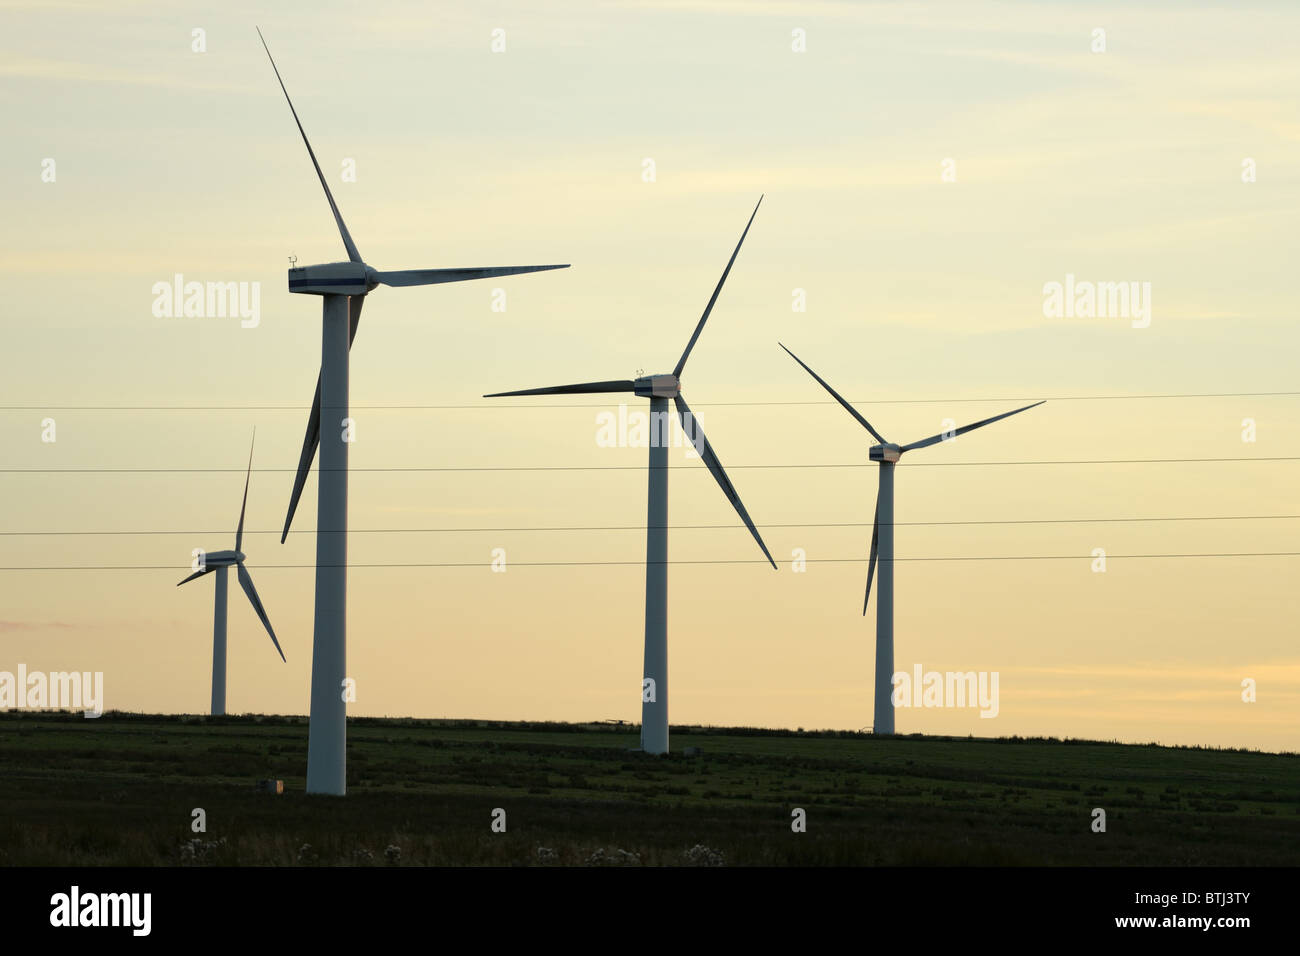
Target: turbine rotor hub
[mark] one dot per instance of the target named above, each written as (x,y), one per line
(888,452)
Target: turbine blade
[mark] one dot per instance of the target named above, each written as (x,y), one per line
(246,582)
(584,388)
(681,363)
(312,439)
(239,532)
(309,443)
(348,244)
(838,397)
(926,442)
(196,574)
(697,437)
(404,277)
(871,562)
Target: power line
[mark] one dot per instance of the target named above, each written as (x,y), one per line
(545,468)
(495,405)
(677,527)
(593,564)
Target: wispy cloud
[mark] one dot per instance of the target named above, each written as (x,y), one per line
(39,68)
(1176,671)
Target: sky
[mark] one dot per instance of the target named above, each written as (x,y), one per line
(928,170)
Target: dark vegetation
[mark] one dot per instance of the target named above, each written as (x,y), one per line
(121,790)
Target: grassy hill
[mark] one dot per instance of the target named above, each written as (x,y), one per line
(121,790)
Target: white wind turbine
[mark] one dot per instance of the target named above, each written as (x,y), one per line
(220,562)
(659,389)
(343,287)
(882,544)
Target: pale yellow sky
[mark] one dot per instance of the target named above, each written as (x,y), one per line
(1117,166)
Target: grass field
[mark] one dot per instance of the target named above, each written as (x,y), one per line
(121,790)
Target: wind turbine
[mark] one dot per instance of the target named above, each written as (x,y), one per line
(882,543)
(343,287)
(220,562)
(659,389)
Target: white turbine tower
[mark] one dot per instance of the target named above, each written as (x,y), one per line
(659,389)
(343,287)
(220,561)
(882,544)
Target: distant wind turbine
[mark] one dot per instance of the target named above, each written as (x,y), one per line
(220,561)
(343,287)
(659,389)
(882,543)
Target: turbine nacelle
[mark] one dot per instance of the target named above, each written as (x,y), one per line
(657,386)
(333,278)
(223,559)
(887,452)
